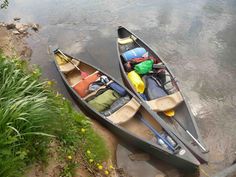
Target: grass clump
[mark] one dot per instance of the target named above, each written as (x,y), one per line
(32,115)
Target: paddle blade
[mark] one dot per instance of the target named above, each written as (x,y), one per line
(83,74)
(169,113)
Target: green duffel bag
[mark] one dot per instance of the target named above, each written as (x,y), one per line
(104,101)
(144,67)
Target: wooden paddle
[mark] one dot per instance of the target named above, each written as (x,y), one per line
(83,74)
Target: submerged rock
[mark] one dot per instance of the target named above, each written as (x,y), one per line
(17,19)
(35,27)
(10,26)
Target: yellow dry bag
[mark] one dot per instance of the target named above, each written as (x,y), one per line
(137,82)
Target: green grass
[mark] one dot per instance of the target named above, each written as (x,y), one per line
(32,114)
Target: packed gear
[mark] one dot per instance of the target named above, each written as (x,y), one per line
(136,81)
(117,88)
(126,40)
(104,100)
(134,53)
(129,66)
(166,81)
(153,89)
(144,67)
(116,105)
(95,85)
(82,87)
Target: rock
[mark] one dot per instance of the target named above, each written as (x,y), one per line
(21,27)
(17,18)
(15,32)
(10,26)
(2,24)
(26,52)
(35,27)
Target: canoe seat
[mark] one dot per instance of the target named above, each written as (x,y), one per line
(67,67)
(82,86)
(125,113)
(165,103)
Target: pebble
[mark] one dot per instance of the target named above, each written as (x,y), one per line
(15,32)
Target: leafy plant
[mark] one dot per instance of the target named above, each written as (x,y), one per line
(4,4)
(32,114)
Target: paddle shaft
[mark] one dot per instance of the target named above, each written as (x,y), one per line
(66,58)
(198,143)
(157,134)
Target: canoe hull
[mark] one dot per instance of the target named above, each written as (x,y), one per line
(173,159)
(136,142)
(185,108)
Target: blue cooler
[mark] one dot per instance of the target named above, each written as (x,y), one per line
(134,53)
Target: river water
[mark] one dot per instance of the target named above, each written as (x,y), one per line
(197,39)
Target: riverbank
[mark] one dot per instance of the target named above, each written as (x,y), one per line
(12,43)
(71,148)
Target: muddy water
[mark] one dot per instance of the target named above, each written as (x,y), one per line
(196,38)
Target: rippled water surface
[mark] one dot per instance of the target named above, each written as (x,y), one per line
(196,38)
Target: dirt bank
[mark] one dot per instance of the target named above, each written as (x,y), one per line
(13,44)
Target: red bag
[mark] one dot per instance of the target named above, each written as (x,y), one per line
(130,64)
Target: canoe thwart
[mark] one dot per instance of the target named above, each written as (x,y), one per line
(125,113)
(166,103)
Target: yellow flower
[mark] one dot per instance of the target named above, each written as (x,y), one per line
(83,130)
(88,152)
(90,160)
(100,167)
(49,83)
(106,172)
(111,167)
(69,157)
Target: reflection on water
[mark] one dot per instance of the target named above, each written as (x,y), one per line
(197,40)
